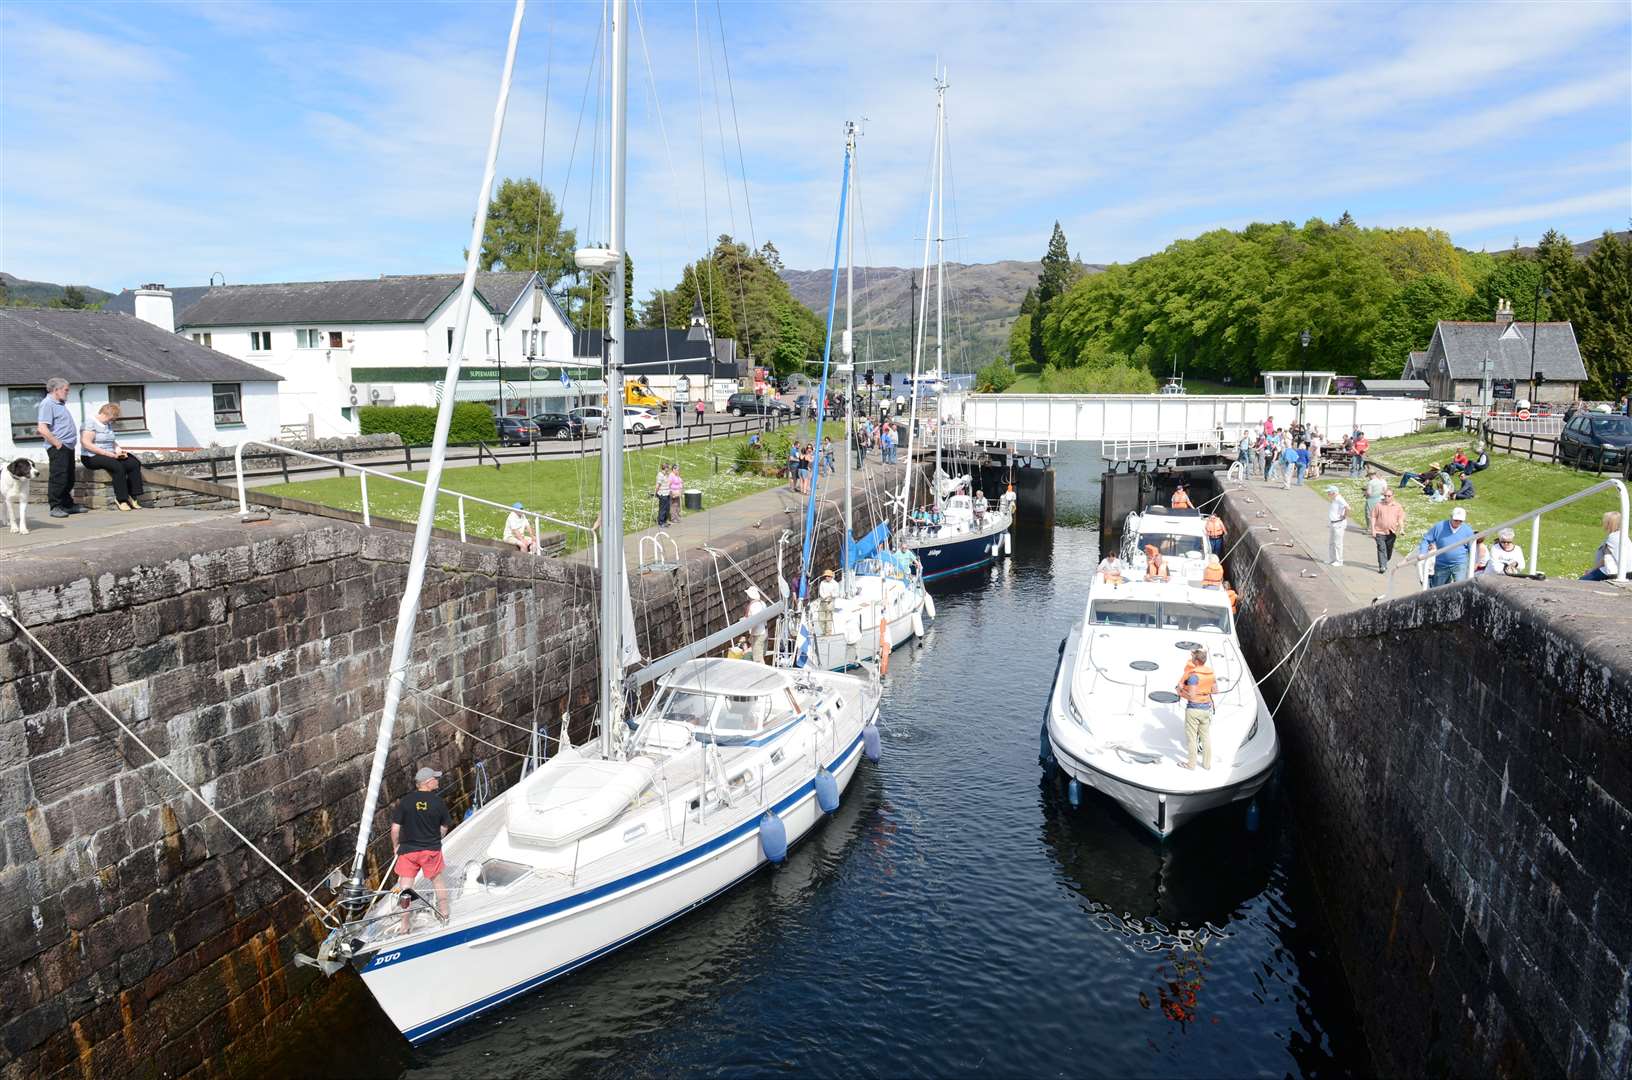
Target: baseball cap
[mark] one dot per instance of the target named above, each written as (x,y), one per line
(425,773)
(1459,514)
(1331,489)
(515,506)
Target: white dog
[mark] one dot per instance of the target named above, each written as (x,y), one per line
(14,480)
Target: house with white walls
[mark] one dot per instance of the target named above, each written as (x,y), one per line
(339,345)
(172,393)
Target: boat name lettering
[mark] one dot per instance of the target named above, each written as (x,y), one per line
(381,961)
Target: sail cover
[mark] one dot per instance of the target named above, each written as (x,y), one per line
(869,545)
(631,644)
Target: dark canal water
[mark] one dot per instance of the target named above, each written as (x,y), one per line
(958,917)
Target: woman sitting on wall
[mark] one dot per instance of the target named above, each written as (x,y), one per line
(99,450)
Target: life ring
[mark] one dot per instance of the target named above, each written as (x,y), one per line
(1524,414)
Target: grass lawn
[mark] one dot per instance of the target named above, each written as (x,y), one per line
(1511,486)
(568,488)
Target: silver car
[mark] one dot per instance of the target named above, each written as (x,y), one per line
(592,416)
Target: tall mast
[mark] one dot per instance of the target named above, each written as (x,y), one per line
(848,367)
(612,556)
(402,643)
(940,269)
(923,302)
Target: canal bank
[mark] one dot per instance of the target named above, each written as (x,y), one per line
(1462,764)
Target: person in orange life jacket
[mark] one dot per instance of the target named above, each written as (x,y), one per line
(1155,567)
(1212,574)
(418,824)
(1215,534)
(1181,500)
(1196,687)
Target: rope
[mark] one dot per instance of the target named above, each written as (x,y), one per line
(5,610)
(1292,677)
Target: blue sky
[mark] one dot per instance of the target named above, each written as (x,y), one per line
(163,142)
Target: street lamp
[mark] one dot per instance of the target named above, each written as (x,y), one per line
(1535,319)
(1303,373)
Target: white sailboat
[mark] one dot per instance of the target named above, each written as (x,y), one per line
(877,601)
(961,529)
(729,762)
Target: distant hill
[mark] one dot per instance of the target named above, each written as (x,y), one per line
(982,299)
(19,292)
(1584,248)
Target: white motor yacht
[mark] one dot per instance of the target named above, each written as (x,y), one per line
(1116,724)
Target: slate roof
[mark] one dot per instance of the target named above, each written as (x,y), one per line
(1416,364)
(104,346)
(1463,346)
(644,353)
(388,298)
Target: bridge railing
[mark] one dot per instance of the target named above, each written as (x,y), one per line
(1153,446)
(1622,543)
(364,472)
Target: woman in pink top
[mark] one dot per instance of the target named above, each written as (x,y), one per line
(677,491)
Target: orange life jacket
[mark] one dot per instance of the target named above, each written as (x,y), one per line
(1232,596)
(1156,569)
(1215,526)
(1181,500)
(1202,692)
(1212,575)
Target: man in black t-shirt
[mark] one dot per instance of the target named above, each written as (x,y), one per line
(418,824)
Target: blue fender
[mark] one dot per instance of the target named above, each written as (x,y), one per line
(871,744)
(827,791)
(773,837)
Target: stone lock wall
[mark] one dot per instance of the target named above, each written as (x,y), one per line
(1463,764)
(137,936)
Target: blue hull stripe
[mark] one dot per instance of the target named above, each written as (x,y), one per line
(958,570)
(475,933)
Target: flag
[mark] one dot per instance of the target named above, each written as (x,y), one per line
(806,640)
(566,380)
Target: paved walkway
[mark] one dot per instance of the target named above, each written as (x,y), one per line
(1300,513)
(46,531)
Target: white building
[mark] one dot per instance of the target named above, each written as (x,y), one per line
(172,394)
(338,345)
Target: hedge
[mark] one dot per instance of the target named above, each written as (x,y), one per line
(472,422)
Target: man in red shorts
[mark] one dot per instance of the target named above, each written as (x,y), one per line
(418,824)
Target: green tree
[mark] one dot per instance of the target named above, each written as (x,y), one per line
(72,297)
(791,348)
(524,233)
(1407,322)
(1054,278)
(995,377)
(1605,327)
(1020,340)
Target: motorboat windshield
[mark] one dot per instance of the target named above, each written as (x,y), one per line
(1154,614)
(1172,545)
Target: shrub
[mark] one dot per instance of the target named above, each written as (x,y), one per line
(1118,378)
(766,458)
(472,422)
(995,377)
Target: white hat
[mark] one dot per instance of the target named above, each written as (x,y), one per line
(1331,489)
(1459,514)
(753,592)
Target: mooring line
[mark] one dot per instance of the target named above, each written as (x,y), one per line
(5,610)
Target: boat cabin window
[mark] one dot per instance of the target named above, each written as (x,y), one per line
(744,713)
(1171,545)
(1194,617)
(687,706)
(1122,613)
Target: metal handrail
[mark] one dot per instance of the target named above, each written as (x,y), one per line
(1534,517)
(364,472)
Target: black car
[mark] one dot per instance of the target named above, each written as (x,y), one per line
(1589,434)
(756,405)
(559,426)
(514,431)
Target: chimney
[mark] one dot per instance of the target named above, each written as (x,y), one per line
(154,305)
(1504,312)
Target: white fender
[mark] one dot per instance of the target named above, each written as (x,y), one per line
(929,604)
(1008,544)
(917,624)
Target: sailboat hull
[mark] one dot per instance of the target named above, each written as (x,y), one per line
(487,965)
(943,556)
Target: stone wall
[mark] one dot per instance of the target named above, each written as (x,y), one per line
(137,936)
(1463,765)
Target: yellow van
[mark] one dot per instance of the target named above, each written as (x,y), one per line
(637,393)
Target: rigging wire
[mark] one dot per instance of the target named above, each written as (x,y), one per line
(544,137)
(322,911)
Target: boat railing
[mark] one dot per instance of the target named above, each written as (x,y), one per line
(1534,517)
(364,472)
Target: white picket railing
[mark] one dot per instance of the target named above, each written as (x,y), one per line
(364,472)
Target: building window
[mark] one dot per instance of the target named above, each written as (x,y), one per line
(132,402)
(308,339)
(202,339)
(25,412)
(260,341)
(229,408)
(335,340)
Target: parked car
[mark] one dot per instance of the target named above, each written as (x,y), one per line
(592,417)
(640,420)
(756,405)
(515,431)
(1590,433)
(559,425)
